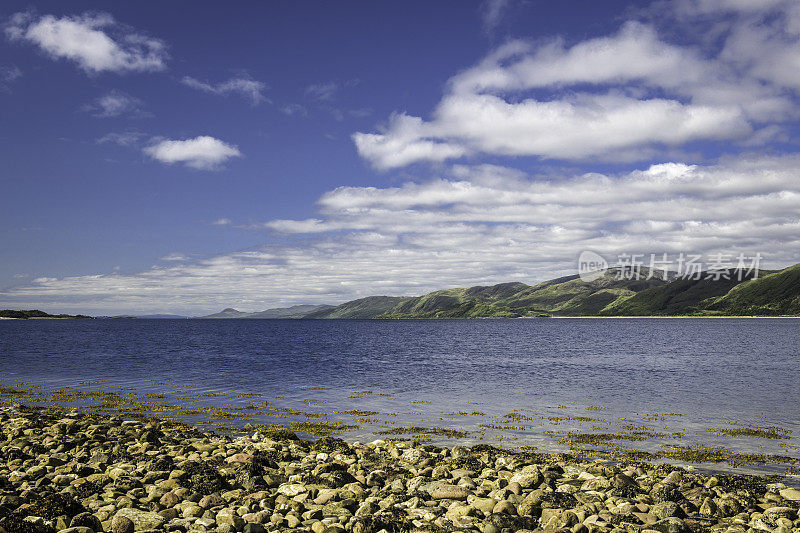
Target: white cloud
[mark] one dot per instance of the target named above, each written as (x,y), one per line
(246,87)
(222,222)
(492,13)
(623,97)
(116,103)
(10,73)
(293,109)
(203,152)
(477,225)
(127,138)
(323,91)
(96,42)
(174,257)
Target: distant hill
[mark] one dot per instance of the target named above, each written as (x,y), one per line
(161,316)
(34,313)
(296,311)
(567,296)
(370,307)
(732,294)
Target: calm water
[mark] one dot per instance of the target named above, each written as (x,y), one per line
(684,375)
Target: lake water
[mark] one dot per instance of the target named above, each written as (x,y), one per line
(505,382)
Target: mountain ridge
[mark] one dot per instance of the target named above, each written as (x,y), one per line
(612,293)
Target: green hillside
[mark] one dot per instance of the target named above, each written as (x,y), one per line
(777,293)
(680,297)
(567,296)
(369,307)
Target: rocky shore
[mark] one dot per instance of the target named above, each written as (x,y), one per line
(77,473)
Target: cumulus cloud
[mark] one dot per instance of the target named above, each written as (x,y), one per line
(475,225)
(246,87)
(115,104)
(617,97)
(96,42)
(203,152)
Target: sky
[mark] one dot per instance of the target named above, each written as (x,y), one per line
(183,157)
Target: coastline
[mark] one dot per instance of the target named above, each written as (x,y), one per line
(90,473)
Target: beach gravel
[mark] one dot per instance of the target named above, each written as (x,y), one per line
(63,471)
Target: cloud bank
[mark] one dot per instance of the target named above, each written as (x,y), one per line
(618,97)
(475,225)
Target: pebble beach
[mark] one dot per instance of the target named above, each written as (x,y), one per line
(73,472)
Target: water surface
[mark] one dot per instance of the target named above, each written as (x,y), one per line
(512,382)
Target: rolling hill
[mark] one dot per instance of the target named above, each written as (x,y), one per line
(775,293)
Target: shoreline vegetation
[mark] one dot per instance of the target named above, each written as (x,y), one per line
(81,473)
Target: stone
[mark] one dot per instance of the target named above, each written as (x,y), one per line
(254,528)
(169,514)
(86,520)
(663,510)
(229,516)
(192,511)
(211,500)
(708,508)
(774,513)
(449,492)
(292,489)
(457,511)
(504,506)
(670,525)
(790,494)
(142,520)
(484,505)
(526,480)
(122,524)
(240,458)
(169,499)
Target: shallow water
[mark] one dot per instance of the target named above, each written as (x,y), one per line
(548,376)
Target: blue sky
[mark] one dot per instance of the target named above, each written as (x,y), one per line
(188,156)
